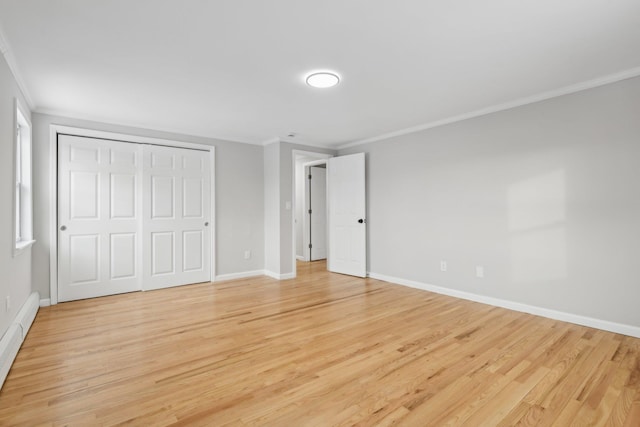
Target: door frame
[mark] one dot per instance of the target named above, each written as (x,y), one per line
(295,154)
(305,218)
(54,130)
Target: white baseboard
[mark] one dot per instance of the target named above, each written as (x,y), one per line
(15,334)
(240,275)
(45,302)
(300,258)
(254,273)
(278,276)
(605,325)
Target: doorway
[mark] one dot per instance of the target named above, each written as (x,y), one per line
(303,234)
(315,209)
(345,224)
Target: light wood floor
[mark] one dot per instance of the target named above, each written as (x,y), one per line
(323,349)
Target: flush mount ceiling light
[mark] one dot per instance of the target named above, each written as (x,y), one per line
(323,79)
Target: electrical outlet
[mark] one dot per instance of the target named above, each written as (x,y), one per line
(443,265)
(247,254)
(479,271)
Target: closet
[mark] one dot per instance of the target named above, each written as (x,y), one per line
(131,217)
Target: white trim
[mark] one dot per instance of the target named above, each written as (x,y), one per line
(92,133)
(7,52)
(566,90)
(239,275)
(136,125)
(291,141)
(54,130)
(605,325)
(53,215)
(284,276)
(309,144)
(316,162)
(254,273)
(212,213)
(20,118)
(270,141)
(306,235)
(45,302)
(300,258)
(22,246)
(3,43)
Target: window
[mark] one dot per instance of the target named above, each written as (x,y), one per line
(22,166)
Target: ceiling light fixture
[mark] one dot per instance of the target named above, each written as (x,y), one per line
(323,79)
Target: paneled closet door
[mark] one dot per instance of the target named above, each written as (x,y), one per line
(98,217)
(176,206)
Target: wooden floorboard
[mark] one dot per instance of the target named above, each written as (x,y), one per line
(323,350)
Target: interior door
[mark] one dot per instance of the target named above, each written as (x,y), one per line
(98,216)
(176,206)
(347,222)
(318,212)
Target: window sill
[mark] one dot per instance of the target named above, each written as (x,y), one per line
(22,246)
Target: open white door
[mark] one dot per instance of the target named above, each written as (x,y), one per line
(347,208)
(98,216)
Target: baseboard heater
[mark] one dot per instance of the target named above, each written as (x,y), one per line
(15,334)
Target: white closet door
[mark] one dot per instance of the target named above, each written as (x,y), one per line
(98,217)
(176,206)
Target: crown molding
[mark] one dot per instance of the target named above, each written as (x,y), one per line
(3,44)
(310,144)
(5,49)
(135,125)
(270,141)
(566,90)
(300,143)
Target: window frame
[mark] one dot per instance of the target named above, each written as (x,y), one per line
(22,224)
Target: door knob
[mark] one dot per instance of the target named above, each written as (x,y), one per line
(63,227)
(360,220)
(206,224)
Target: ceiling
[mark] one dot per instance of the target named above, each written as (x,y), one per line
(234,69)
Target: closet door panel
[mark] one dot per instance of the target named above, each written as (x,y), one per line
(98,217)
(176,233)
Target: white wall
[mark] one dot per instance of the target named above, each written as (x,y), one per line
(15,272)
(239,197)
(546,197)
